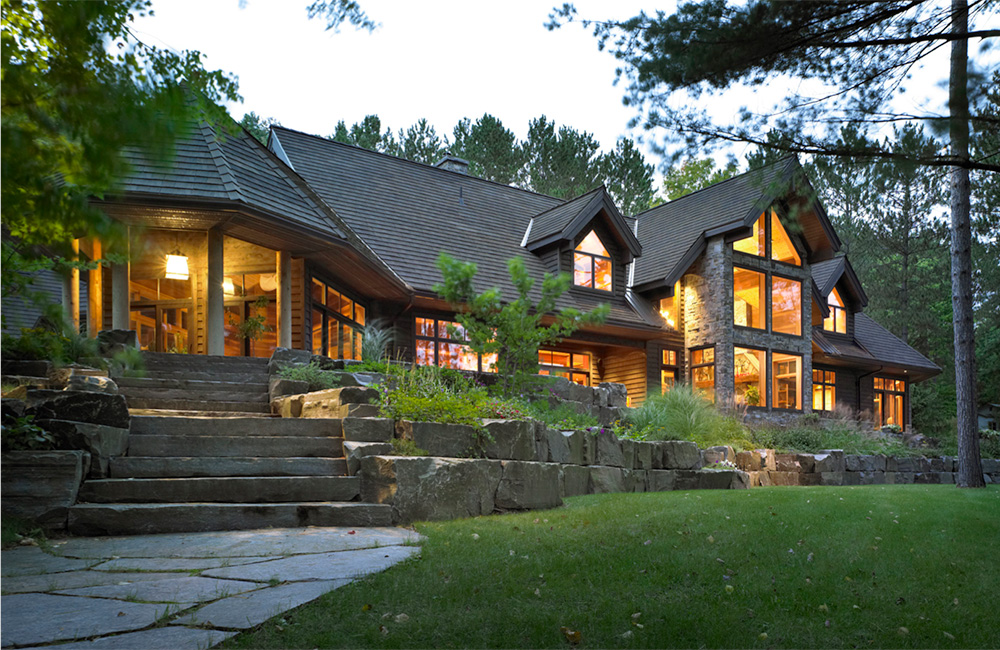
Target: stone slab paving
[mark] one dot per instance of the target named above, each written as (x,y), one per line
(110,593)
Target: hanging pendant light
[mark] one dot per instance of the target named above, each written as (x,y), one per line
(177,266)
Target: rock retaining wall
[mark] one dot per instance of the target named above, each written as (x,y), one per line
(834,467)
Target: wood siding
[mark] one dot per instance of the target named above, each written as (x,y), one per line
(627,367)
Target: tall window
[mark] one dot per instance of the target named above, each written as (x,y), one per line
(670,307)
(837,320)
(748,298)
(436,347)
(245,295)
(767,229)
(786,306)
(592,264)
(750,373)
(668,370)
(703,372)
(890,396)
(337,323)
(574,366)
(824,390)
(786,371)
(159,312)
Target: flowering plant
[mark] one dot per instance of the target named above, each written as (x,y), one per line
(722,464)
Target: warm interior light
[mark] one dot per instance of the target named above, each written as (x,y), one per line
(228,288)
(177,266)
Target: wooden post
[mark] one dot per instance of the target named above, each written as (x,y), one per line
(215,324)
(74,290)
(120,296)
(284,271)
(95,293)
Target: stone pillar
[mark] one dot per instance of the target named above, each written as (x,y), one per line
(119,296)
(95,293)
(215,333)
(284,272)
(73,302)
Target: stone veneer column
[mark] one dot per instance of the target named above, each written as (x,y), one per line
(215,334)
(284,271)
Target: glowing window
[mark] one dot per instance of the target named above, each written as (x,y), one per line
(750,374)
(786,372)
(592,264)
(703,372)
(837,320)
(748,298)
(754,244)
(824,390)
(574,366)
(435,346)
(782,249)
(668,370)
(786,306)
(890,402)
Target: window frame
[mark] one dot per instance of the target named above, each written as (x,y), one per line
(703,364)
(593,265)
(762,380)
(764,298)
(437,340)
(668,363)
(551,369)
(329,314)
(776,212)
(823,383)
(834,309)
(774,377)
(770,311)
(883,392)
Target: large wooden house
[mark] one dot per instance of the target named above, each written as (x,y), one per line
(738,288)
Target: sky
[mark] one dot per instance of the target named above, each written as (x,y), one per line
(439,59)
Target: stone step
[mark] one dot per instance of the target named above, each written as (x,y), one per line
(146,518)
(142,425)
(255,489)
(180,383)
(165,360)
(207,466)
(270,446)
(237,377)
(189,413)
(208,394)
(196,405)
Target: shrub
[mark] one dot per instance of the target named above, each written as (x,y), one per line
(41,344)
(22,434)
(375,342)
(314,375)
(401,447)
(563,416)
(683,414)
(809,439)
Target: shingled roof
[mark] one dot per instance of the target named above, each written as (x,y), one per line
(827,273)
(217,167)
(885,347)
(409,213)
(566,221)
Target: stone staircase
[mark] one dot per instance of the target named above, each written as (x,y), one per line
(204,454)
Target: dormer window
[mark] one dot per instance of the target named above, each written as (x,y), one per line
(592,264)
(837,320)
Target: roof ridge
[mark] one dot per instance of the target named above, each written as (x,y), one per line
(783,160)
(225,170)
(566,202)
(420,164)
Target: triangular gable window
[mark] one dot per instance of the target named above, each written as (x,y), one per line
(837,320)
(782,248)
(592,264)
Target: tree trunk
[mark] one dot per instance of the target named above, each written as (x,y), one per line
(970,470)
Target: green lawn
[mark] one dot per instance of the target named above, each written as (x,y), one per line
(854,567)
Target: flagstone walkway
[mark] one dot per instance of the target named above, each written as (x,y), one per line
(180,591)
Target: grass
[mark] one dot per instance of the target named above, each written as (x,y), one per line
(808,567)
(12,529)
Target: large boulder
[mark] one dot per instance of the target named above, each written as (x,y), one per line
(661,480)
(679,454)
(93,384)
(557,444)
(608,449)
(510,439)
(112,342)
(528,486)
(78,406)
(368,429)
(328,403)
(431,489)
(574,480)
(101,441)
(617,393)
(643,454)
(286,357)
(829,460)
(606,479)
(634,480)
(42,485)
(447,440)
(355,451)
(279,387)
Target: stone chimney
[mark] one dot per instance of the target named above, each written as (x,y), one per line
(454,164)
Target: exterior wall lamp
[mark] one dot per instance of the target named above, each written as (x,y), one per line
(177,266)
